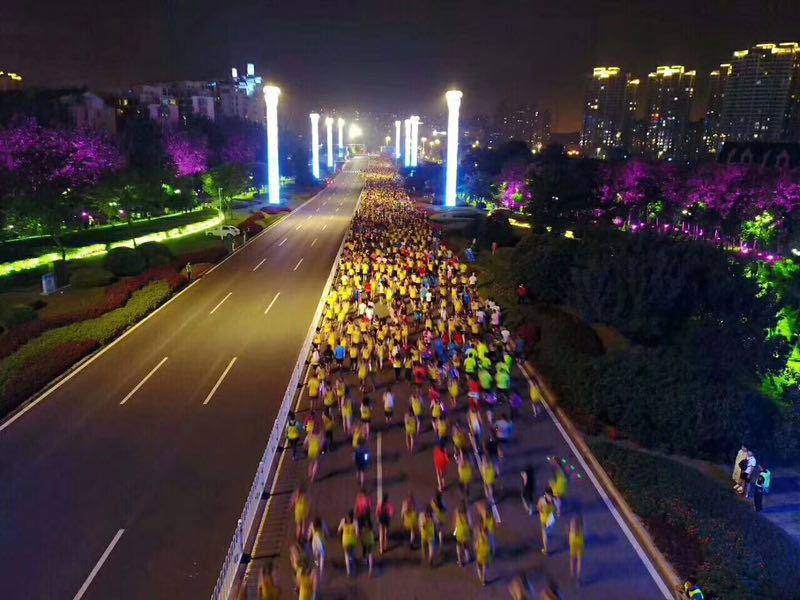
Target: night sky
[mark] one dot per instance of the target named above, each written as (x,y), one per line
(388,56)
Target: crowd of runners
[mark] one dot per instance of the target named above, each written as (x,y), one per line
(405,308)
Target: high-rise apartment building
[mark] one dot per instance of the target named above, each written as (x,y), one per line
(762,95)
(713,135)
(541,130)
(604,112)
(670,92)
(10,82)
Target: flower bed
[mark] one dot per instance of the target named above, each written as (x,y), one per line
(42,359)
(116,296)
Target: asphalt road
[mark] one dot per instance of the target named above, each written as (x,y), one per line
(140,499)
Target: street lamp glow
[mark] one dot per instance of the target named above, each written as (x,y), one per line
(271,93)
(407,153)
(397,140)
(453,98)
(340,123)
(354,132)
(414,139)
(329,127)
(314,144)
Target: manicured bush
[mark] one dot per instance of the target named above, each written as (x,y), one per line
(496,228)
(743,556)
(155,254)
(124,262)
(89,277)
(96,331)
(42,371)
(252,224)
(17,314)
(116,296)
(209,255)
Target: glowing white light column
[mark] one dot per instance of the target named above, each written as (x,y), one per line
(340,123)
(271,93)
(329,127)
(397,140)
(414,139)
(453,104)
(407,153)
(314,144)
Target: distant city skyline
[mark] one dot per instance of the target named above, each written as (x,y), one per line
(373,56)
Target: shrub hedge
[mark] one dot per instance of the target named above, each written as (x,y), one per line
(116,296)
(209,255)
(124,261)
(743,556)
(17,314)
(89,277)
(155,254)
(42,353)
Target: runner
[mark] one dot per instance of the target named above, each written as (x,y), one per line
(349,531)
(384,513)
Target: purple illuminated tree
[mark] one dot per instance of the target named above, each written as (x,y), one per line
(189,153)
(44,171)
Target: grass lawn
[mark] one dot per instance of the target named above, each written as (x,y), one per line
(30,247)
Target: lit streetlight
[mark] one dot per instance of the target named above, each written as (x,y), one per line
(453,98)
(329,127)
(340,123)
(414,139)
(397,140)
(314,144)
(271,94)
(407,153)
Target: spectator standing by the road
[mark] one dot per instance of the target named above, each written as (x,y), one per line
(749,474)
(759,487)
(189,271)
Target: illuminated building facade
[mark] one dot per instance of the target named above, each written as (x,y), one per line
(762,95)
(604,112)
(670,93)
(713,136)
(10,82)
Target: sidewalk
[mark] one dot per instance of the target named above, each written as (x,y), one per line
(612,568)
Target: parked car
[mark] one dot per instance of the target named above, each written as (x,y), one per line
(224,231)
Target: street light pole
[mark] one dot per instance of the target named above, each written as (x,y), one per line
(271,93)
(453,98)
(397,140)
(314,144)
(407,153)
(329,126)
(340,123)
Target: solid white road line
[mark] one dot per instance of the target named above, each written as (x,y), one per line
(297,265)
(324,227)
(298,227)
(283,242)
(213,310)
(273,302)
(143,381)
(308,218)
(263,260)
(219,381)
(314,242)
(612,509)
(98,566)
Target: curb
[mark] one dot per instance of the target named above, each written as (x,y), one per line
(664,567)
